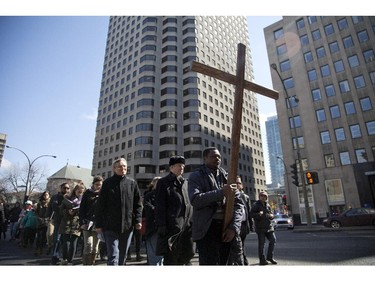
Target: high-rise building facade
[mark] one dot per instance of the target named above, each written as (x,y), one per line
(3,139)
(152,106)
(325,73)
(275,152)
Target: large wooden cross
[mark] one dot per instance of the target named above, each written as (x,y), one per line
(239,81)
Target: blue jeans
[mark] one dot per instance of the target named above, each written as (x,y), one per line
(271,245)
(152,258)
(117,246)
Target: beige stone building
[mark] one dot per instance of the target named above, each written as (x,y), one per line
(327,67)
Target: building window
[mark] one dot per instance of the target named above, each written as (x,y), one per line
(329,160)
(304,40)
(349,108)
(301,142)
(316,34)
(344,86)
(335,111)
(339,66)
(330,90)
(359,82)
(308,57)
(295,121)
(312,19)
(320,52)
(278,33)
(340,134)
(328,29)
(348,42)
(344,158)
(370,128)
(289,83)
(321,115)
(363,36)
(334,47)
(281,49)
(361,155)
(372,77)
(342,23)
(325,70)
(334,191)
(285,65)
(312,75)
(369,55)
(365,104)
(325,137)
(316,95)
(300,24)
(355,131)
(357,19)
(353,61)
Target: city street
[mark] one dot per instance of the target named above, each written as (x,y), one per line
(318,246)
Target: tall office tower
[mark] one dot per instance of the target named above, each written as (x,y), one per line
(275,153)
(325,72)
(3,139)
(152,106)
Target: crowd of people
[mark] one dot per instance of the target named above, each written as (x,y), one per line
(176,217)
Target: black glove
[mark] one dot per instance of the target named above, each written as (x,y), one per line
(162,230)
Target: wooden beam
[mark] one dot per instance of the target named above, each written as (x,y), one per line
(231,79)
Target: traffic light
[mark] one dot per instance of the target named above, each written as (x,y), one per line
(312,177)
(294,174)
(284,199)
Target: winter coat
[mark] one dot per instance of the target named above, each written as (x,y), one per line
(30,220)
(149,209)
(204,194)
(173,212)
(261,213)
(14,214)
(69,222)
(87,208)
(119,205)
(42,213)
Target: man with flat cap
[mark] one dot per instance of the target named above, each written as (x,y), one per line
(262,214)
(173,214)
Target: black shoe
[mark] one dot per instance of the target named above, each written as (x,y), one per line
(272,261)
(263,262)
(55,260)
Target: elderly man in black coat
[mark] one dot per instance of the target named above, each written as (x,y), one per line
(173,214)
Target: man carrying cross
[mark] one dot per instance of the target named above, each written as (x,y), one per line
(217,207)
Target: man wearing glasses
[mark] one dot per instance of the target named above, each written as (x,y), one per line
(55,216)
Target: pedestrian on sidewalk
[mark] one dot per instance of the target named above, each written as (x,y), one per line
(43,220)
(14,215)
(150,232)
(118,212)
(55,217)
(70,227)
(87,221)
(262,214)
(173,216)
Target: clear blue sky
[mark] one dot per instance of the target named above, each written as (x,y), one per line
(50,75)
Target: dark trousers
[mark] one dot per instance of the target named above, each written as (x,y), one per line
(182,250)
(211,249)
(261,243)
(69,246)
(28,236)
(41,237)
(243,238)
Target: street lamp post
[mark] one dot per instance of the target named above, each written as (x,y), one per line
(287,180)
(29,169)
(304,189)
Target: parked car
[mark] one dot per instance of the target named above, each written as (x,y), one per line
(283,221)
(352,217)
